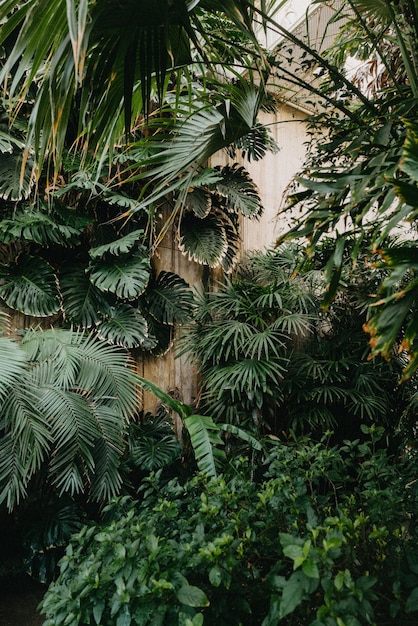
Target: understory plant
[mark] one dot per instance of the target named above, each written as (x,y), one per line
(324,536)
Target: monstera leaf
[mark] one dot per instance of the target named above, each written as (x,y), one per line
(169,299)
(120,246)
(38,227)
(199,201)
(125,326)
(230,257)
(84,304)
(160,337)
(240,191)
(204,241)
(124,276)
(29,286)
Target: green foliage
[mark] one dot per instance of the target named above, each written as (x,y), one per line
(152,442)
(324,537)
(360,178)
(271,357)
(66,400)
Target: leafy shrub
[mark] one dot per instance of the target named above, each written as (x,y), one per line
(325,536)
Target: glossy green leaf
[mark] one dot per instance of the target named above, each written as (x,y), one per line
(203,240)
(169,299)
(192,596)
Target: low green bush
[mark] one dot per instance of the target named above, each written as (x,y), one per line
(316,535)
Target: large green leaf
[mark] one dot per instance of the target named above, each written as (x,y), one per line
(199,201)
(38,227)
(119,246)
(84,304)
(15,184)
(12,365)
(240,191)
(203,240)
(161,336)
(29,286)
(206,442)
(152,453)
(124,276)
(169,299)
(124,326)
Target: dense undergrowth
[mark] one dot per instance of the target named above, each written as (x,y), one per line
(317,535)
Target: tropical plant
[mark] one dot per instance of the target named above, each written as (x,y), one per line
(327,536)
(242,333)
(83,253)
(269,357)
(204,434)
(359,180)
(66,401)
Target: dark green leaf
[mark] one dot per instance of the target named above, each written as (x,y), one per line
(29,286)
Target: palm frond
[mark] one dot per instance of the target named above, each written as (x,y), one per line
(206,442)
(13,365)
(25,441)
(106,480)
(246,378)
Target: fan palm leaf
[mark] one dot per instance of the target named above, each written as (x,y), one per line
(108,54)
(25,442)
